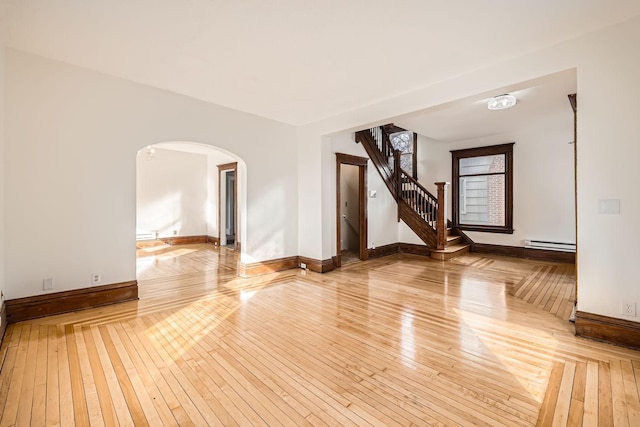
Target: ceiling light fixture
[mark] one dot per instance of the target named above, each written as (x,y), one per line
(502,102)
(150,153)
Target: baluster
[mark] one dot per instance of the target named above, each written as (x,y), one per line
(433,214)
(414,196)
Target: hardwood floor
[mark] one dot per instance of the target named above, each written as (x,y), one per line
(550,286)
(401,340)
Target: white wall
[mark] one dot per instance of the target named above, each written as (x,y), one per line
(72,136)
(212,196)
(2,162)
(543,180)
(608,151)
(381,210)
(3,39)
(608,147)
(172,194)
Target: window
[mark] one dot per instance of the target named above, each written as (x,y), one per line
(406,142)
(483,188)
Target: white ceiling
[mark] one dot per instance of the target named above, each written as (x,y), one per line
(542,103)
(297,61)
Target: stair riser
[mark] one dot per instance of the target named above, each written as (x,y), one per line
(445,256)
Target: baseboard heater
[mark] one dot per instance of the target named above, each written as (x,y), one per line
(146,236)
(550,246)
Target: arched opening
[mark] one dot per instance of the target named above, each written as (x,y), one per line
(187,193)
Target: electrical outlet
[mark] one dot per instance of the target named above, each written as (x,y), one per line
(303,266)
(47,284)
(628,308)
(96,278)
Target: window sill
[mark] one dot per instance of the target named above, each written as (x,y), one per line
(485,228)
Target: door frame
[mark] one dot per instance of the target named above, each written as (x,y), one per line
(573,99)
(361,163)
(221,170)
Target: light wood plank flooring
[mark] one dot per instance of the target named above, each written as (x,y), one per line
(401,340)
(550,286)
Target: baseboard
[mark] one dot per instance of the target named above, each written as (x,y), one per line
(269,266)
(20,309)
(215,241)
(608,329)
(395,248)
(319,266)
(412,248)
(384,250)
(3,325)
(184,240)
(281,264)
(526,253)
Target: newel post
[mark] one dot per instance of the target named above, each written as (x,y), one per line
(398,177)
(441,217)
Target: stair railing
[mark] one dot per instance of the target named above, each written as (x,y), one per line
(403,186)
(422,202)
(418,198)
(376,145)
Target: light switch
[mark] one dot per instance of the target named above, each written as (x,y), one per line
(609,206)
(372,194)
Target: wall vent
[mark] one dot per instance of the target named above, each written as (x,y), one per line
(550,246)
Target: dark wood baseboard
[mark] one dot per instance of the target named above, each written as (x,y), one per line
(184,240)
(269,266)
(608,329)
(213,240)
(384,250)
(281,264)
(412,248)
(527,253)
(3,325)
(326,265)
(395,248)
(319,266)
(26,308)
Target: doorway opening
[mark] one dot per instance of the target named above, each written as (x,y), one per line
(351,208)
(228,205)
(190,203)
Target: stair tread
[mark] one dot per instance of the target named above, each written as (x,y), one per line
(452,248)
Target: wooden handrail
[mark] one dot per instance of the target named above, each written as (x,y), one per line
(408,177)
(368,141)
(417,206)
(419,200)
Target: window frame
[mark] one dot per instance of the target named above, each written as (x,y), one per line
(492,150)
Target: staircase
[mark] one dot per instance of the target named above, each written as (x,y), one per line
(423,212)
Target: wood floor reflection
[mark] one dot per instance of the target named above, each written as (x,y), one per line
(401,340)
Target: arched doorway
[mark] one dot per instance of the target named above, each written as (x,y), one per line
(182,192)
